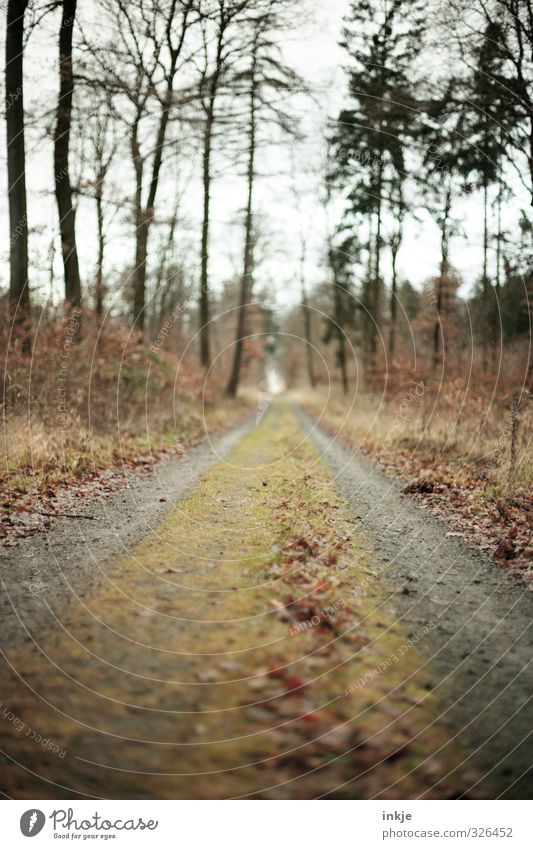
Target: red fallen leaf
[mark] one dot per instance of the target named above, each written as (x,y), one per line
(3,530)
(313,717)
(294,685)
(323,585)
(303,543)
(304,615)
(276,672)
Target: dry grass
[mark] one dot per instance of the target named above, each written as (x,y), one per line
(114,399)
(417,431)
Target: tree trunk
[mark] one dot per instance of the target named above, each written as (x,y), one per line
(61,158)
(530,157)
(376,281)
(338,309)
(205,357)
(19,292)
(395,245)
(147,214)
(163,286)
(485,280)
(367,290)
(139,291)
(246,279)
(99,281)
(306,315)
(393,303)
(495,320)
(444,267)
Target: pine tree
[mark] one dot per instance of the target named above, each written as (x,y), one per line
(382,39)
(342,319)
(488,117)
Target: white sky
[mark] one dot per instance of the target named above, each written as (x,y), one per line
(313,49)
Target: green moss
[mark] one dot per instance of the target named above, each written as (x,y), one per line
(207,611)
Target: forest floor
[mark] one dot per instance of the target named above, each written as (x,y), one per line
(459,472)
(265,617)
(44,479)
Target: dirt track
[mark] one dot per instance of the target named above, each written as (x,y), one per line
(481,648)
(170,649)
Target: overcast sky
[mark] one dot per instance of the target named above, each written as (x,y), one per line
(313,49)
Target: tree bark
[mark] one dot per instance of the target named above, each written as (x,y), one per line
(338,307)
(63,188)
(145,216)
(444,269)
(393,303)
(485,280)
(246,279)
(306,315)
(205,357)
(99,282)
(377,269)
(19,292)
(395,245)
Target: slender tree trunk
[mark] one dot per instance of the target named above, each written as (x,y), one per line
(395,247)
(162,291)
(499,235)
(99,281)
(306,315)
(485,280)
(444,269)
(147,214)
(341,353)
(376,282)
(141,252)
(246,279)
(19,292)
(530,157)
(496,322)
(67,217)
(138,287)
(338,310)
(367,290)
(393,303)
(205,357)
(306,318)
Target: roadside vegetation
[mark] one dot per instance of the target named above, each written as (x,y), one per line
(462,454)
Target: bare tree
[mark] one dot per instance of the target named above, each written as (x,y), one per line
(101,143)
(19,292)
(266,79)
(103,157)
(246,277)
(221,23)
(144,213)
(397,204)
(303,238)
(63,188)
(140,65)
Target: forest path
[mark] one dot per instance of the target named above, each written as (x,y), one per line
(254,645)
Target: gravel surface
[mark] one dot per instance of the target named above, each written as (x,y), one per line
(479,641)
(71,557)
(468,618)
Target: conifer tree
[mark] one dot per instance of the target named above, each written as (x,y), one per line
(382,40)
